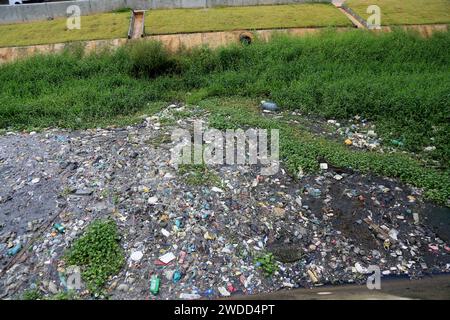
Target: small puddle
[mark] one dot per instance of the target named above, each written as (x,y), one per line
(438,219)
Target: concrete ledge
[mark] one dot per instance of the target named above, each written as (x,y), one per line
(172,42)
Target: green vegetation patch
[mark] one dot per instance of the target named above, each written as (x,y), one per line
(198,175)
(237,18)
(267,264)
(396,12)
(115,24)
(32,294)
(98,253)
(94,27)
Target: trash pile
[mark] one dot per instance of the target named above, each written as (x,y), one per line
(356,132)
(241,233)
(359,133)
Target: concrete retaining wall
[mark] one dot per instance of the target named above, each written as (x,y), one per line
(174,42)
(50,10)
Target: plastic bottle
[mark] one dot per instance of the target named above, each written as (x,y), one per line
(176,276)
(58,227)
(14,250)
(268,105)
(154,284)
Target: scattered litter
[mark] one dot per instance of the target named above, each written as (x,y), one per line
(190,296)
(136,256)
(165,232)
(152,200)
(167,258)
(223,292)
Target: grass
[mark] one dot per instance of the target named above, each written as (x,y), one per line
(396,12)
(32,294)
(36,294)
(115,25)
(98,253)
(64,295)
(99,26)
(398,80)
(235,18)
(198,175)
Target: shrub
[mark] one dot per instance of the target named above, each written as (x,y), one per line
(149,59)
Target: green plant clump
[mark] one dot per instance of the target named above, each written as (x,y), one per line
(32,294)
(149,59)
(98,253)
(267,264)
(198,175)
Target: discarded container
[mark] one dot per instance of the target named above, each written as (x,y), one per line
(182,257)
(59,227)
(154,284)
(167,258)
(209,292)
(314,192)
(209,236)
(416,217)
(324,166)
(14,250)
(267,105)
(348,142)
(136,256)
(224,292)
(397,143)
(190,296)
(312,276)
(176,276)
(230,287)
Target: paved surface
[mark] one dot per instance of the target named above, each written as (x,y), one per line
(138,27)
(338,4)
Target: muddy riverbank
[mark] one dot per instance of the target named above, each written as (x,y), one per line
(321,229)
